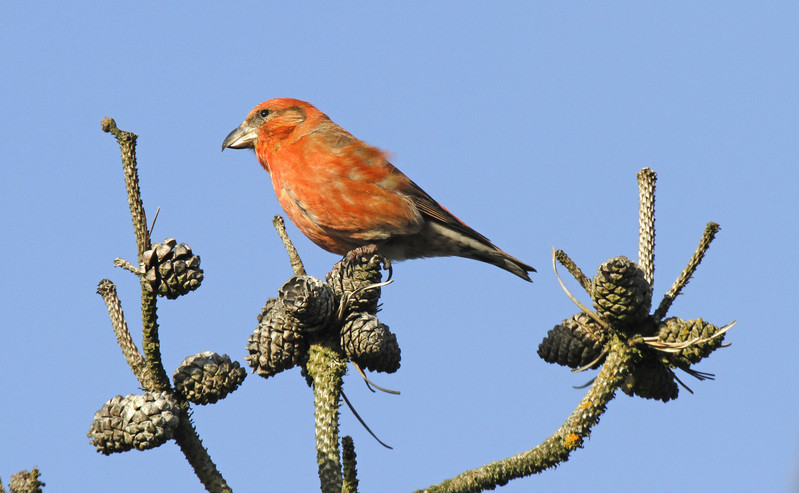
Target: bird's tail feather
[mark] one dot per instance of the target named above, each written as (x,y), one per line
(436,239)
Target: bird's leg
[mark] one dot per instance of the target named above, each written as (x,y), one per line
(367,251)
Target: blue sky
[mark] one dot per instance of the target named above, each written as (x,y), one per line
(527,120)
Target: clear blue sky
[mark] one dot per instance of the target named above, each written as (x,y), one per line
(527,120)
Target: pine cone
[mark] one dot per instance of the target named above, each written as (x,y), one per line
(351,276)
(370,343)
(171,270)
(207,377)
(25,482)
(621,293)
(270,303)
(651,379)
(678,330)
(575,342)
(277,343)
(309,300)
(134,421)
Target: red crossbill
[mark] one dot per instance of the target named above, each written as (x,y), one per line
(344,194)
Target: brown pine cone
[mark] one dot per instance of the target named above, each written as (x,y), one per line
(351,276)
(206,377)
(277,343)
(370,343)
(309,300)
(171,269)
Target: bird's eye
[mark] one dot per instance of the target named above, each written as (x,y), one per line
(263,113)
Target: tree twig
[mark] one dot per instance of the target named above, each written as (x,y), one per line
(154,375)
(577,302)
(150,342)
(646,223)
(108,291)
(575,271)
(127,144)
(326,366)
(563,442)
(294,257)
(197,455)
(349,464)
(707,237)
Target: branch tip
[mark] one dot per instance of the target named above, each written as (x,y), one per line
(108,124)
(105,287)
(294,257)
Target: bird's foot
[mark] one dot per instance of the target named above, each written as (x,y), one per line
(368,252)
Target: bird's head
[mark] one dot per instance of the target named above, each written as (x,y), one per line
(270,122)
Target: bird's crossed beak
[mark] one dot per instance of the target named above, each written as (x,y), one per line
(243,137)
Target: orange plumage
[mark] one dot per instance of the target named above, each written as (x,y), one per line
(344,194)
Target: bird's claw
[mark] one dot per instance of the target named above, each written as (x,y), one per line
(369,252)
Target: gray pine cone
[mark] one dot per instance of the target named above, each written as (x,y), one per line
(351,276)
(370,343)
(206,377)
(134,421)
(277,343)
(171,269)
(309,300)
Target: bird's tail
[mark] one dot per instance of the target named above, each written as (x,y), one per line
(509,263)
(471,244)
(442,240)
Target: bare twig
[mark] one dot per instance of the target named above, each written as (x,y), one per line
(127,144)
(326,366)
(154,375)
(575,271)
(294,257)
(622,353)
(646,223)
(150,342)
(564,441)
(121,262)
(577,302)
(707,237)
(108,291)
(349,464)
(197,455)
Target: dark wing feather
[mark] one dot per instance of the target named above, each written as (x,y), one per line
(432,209)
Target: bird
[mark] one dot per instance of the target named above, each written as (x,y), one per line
(344,194)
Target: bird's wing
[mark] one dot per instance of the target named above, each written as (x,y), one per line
(432,209)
